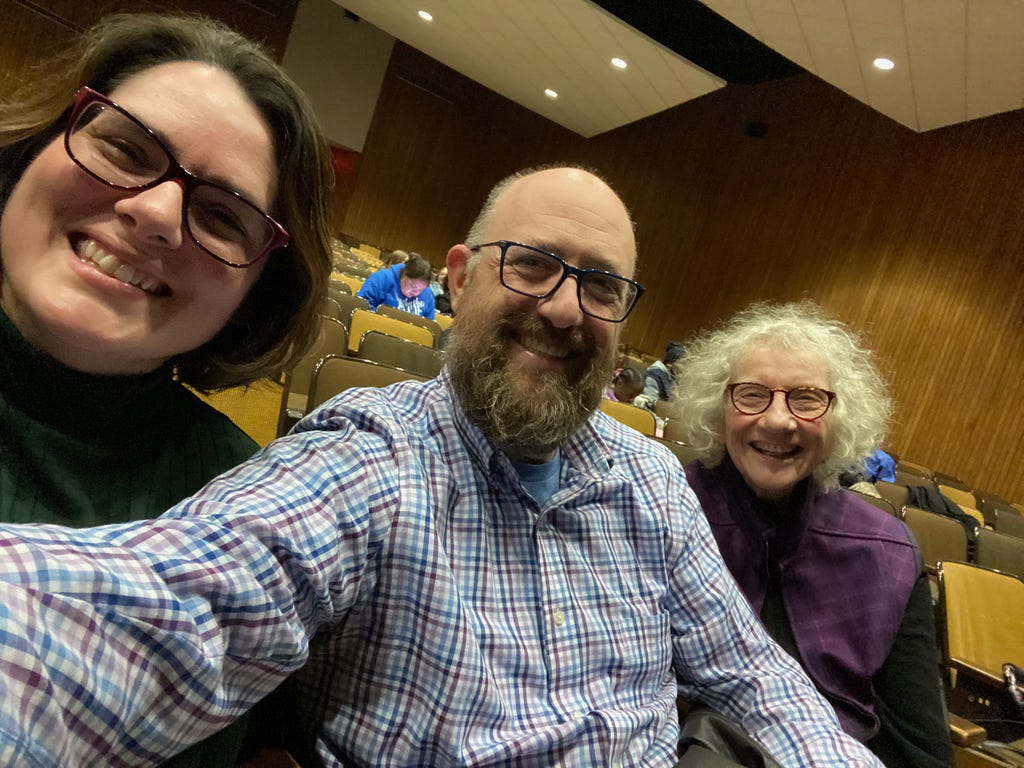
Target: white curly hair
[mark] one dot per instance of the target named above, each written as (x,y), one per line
(860,413)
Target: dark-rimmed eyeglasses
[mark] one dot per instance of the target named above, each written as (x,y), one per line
(537,273)
(806,403)
(118,149)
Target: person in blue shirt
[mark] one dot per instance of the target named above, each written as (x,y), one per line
(879,465)
(403,286)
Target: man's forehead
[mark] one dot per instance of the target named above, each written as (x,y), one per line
(568,211)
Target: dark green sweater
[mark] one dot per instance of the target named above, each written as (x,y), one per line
(83,450)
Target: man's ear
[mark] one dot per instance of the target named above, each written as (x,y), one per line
(458,272)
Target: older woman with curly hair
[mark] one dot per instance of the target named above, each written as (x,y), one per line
(779,401)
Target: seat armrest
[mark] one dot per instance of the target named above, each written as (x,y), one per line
(965,733)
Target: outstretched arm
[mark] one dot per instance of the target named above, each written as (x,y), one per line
(123,644)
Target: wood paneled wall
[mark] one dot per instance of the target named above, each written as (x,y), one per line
(917,240)
(33,29)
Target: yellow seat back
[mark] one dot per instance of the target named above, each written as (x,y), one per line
(983,617)
(958,496)
(364,321)
(638,418)
(354,283)
(335,374)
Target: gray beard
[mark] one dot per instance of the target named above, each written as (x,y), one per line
(529,422)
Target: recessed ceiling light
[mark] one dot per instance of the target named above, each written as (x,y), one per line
(883,64)
(426,16)
(619,63)
(550,93)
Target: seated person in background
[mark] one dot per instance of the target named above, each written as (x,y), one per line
(879,465)
(659,380)
(626,385)
(781,400)
(861,477)
(480,569)
(440,282)
(112,302)
(390,258)
(403,286)
(443,300)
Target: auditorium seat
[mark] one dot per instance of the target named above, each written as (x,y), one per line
(981,613)
(940,538)
(336,373)
(424,322)
(332,340)
(364,321)
(639,419)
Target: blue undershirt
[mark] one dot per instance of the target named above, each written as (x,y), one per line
(540,480)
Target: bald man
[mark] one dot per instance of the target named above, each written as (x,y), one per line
(481,569)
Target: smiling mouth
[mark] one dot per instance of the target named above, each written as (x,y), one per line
(108,264)
(542,347)
(776,451)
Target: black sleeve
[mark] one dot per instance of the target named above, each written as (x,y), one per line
(909,699)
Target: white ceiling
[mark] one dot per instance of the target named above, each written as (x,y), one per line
(521,47)
(956,60)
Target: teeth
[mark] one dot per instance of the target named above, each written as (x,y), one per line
(775,450)
(113,266)
(539,347)
(124,273)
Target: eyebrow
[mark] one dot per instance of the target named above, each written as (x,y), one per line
(589,261)
(220,181)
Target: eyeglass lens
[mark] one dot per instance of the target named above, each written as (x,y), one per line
(110,144)
(536,273)
(804,402)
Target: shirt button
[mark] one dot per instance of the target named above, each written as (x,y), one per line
(577,716)
(559,617)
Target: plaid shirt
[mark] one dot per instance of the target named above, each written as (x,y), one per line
(446,618)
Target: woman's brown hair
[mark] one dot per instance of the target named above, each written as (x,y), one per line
(278,320)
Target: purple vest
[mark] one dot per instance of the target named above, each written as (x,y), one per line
(846,573)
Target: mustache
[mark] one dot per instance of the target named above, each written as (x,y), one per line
(570,342)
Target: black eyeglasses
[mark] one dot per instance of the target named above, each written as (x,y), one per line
(806,403)
(116,148)
(532,272)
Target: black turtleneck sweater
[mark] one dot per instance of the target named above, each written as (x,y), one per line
(82,450)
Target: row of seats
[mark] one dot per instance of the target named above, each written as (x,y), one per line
(345,307)
(387,341)
(981,500)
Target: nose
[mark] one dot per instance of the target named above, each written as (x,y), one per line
(562,308)
(155,214)
(777,416)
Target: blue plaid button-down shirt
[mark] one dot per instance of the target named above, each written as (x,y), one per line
(442,616)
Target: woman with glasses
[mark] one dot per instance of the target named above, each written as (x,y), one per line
(163,222)
(780,400)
